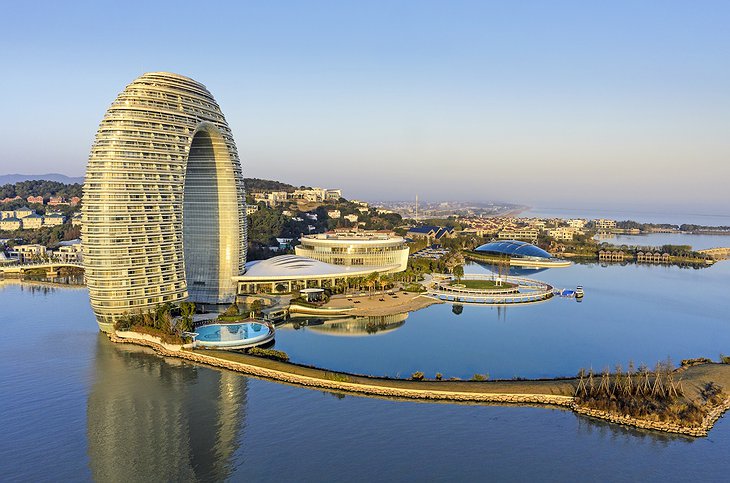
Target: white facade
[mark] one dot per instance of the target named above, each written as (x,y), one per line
(355,248)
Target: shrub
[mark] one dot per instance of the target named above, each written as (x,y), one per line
(269,354)
(439,376)
(694,362)
(724,359)
(417,376)
(480,377)
(335,376)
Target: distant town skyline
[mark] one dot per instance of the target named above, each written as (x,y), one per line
(546,104)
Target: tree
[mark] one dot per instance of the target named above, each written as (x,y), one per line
(187,309)
(458,272)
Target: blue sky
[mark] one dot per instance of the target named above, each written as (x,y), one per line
(548,103)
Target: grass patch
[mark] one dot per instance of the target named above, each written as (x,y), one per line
(269,354)
(483,284)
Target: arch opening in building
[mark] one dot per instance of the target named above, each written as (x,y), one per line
(163,218)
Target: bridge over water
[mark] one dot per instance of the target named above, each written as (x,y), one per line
(51,268)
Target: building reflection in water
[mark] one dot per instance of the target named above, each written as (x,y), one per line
(161,419)
(354,326)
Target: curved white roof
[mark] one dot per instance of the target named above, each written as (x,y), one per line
(286,267)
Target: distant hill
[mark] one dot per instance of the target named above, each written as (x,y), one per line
(61,178)
(256,184)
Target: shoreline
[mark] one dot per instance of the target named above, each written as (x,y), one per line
(547,392)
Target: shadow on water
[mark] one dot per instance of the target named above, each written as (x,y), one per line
(159,419)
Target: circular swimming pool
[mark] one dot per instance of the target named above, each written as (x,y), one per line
(233,336)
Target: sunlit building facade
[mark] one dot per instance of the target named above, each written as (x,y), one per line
(164,217)
(355,248)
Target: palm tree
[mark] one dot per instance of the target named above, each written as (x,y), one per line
(458,272)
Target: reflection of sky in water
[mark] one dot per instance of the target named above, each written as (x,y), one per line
(86,408)
(643,313)
(228,332)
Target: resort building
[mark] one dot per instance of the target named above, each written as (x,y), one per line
(611,255)
(603,224)
(356,248)
(23,212)
(290,273)
(164,212)
(431,232)
(526,233)
(652,257)
(11,224)
(32,222)
(521,254)
(69,253)
(28,253)
(54,219)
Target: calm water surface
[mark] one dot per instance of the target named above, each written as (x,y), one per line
(697,242)
(643,313)
(77,407)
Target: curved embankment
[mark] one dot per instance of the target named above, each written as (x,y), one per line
(552,392)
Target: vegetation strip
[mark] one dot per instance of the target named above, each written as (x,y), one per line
(542,392)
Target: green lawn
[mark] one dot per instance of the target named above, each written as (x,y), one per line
(482,284)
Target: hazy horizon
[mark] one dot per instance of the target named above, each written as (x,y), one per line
(554,104)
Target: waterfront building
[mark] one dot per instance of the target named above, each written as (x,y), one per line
(611,255)
(521,253)
(652,257)
(356,248)
(603,224)
(69,253)
(289,273)
(28,253)
(163,150)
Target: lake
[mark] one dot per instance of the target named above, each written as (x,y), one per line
(78,407)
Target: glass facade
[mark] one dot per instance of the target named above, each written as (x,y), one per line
(163,218)
(514,248)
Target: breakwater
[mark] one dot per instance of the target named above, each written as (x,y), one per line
(557,392)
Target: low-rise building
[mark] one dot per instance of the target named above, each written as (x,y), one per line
(35,199)
(334,214)
(11,224)
(76,220)
(23,212)
(54,219)
(603,224)
(74,201)
(351,218)
(32,221)
(529,234)
(57,200)
(7,214)
(577,222)
(251,209)
(356,247)
(71,253)
(29,253)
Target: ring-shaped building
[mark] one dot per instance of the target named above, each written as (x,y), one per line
(163,215)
